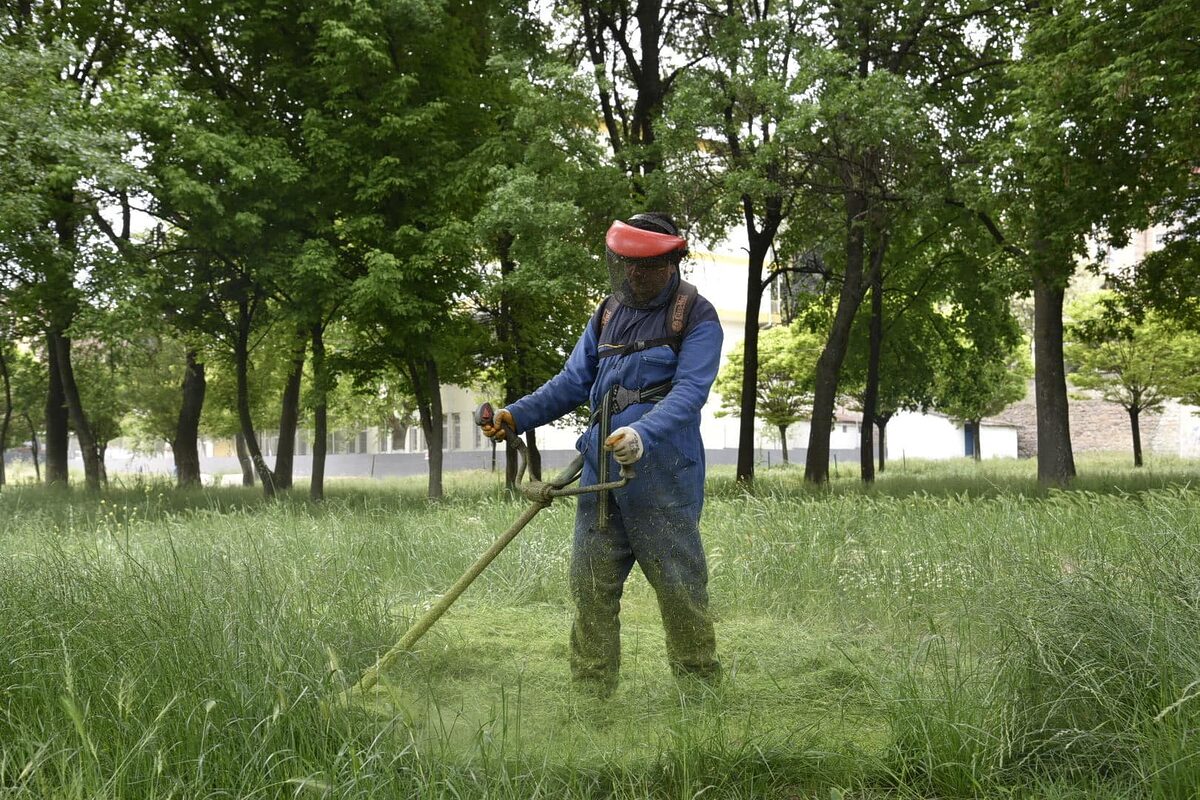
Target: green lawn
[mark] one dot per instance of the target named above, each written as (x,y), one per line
(953,632)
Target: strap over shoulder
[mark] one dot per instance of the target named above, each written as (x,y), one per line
(681,306)
(680,311)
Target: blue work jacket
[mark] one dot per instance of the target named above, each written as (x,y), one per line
(671,473)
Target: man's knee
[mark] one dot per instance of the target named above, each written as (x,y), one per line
(596,583)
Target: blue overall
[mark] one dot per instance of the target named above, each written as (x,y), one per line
(654,521)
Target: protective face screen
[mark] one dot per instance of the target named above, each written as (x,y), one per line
(639,263)
(636,282)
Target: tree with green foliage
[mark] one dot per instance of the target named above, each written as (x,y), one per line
(823,132)
(1095,132)
(787,355)
(636,54)
(979,382)
(983,364)
(165,388)
(220,416)
(906,84)
(226,173)
(1137,365)
(738,143)
(1167,281)
(23,377)
(540,230)
(63,160)
(908,351)
(411,123)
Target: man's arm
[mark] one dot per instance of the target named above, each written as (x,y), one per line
(566,391)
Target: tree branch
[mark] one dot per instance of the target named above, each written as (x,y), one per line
(991,226)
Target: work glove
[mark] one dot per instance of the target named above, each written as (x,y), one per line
(626,445)
(496,431)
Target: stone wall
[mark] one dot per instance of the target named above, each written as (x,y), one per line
(1098,426)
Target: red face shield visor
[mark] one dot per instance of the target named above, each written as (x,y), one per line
(630,242)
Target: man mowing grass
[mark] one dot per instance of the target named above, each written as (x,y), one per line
(645,364)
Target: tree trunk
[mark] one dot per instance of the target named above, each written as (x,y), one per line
(1135,427)
(866,447)
(508,334)
(93,460)
(533,455)
(241,357)
(511,466)
(436,445)
(881,421)
(759,245)
(428,389)
(316,486)
(783,441)
(289,415)
(8,410)
(647,107)
(1056,461)
(829,364)
(243,457)
(976,441)
(33,442)
(511,456)
(57,425)
(185,446)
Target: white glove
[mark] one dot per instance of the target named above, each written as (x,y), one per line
(626,445)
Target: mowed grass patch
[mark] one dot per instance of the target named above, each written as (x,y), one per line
(953,644)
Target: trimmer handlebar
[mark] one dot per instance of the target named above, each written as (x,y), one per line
(485,414)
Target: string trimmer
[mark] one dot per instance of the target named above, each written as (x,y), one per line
(539,493)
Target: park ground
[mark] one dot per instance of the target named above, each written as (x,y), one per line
(952,632)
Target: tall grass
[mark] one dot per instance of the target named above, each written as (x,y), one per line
(1082,667)
(974,639)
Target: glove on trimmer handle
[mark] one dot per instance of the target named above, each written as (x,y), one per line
(486,415)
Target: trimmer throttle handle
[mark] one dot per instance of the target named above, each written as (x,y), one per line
(485,415)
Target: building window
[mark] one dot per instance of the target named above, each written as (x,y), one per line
(445,430)
(362,442)
(456,431)
(477,437)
